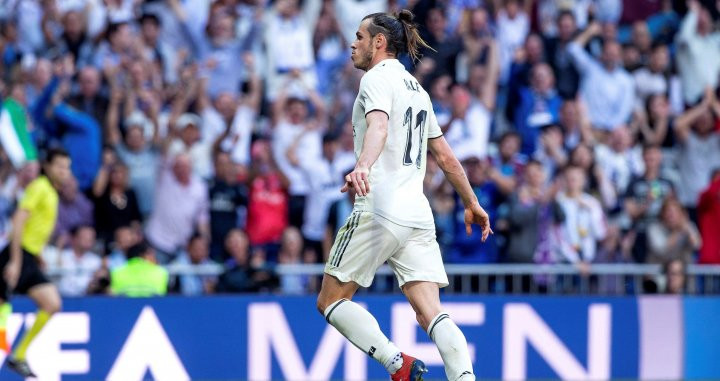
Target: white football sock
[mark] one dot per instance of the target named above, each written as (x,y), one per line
(452,345)
(361,328)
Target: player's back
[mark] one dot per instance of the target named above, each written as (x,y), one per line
(396,178)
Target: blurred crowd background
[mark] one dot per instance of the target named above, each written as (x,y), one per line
(219,131)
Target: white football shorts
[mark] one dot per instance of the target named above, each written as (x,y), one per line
(367,240)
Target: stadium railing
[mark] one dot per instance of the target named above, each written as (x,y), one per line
(603,279)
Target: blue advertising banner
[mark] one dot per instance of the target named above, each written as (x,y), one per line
(276,337)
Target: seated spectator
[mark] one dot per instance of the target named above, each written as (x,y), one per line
(674,236)
(141,276)
(606,88)
(698,52)
(196,254)
(675,272)
(181,207)
(291,253)
(125,238)
(584,224)
(115,203)
(74,210)
(708,217)
(76,264)
(238,274)
(699,149)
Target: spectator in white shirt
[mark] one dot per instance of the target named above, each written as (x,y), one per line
(584,223)
(187,129)
(77,264)
(698,53)
(230,118)
(606,88)
(292,121)
(288,40)
(655,78)
(325,175)
(620,160)
(469,125)
(513,26)
(181,207)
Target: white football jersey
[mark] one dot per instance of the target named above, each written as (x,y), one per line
(396,178)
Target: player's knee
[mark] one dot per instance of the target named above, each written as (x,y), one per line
(52,305)
(52,308)
(320,305)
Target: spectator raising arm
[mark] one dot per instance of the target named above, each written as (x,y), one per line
(583,60)
(684,122)
(490,84)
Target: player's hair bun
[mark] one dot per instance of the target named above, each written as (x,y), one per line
(406,16)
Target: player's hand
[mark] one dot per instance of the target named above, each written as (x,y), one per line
(12,273)
(475,214)
(358,180)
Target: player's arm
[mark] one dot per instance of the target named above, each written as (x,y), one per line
(12,269)
(454,172)
(375,137)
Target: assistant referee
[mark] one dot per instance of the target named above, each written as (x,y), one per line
(32,225)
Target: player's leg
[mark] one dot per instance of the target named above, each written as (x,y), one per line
(356,323)
(47,298)
(5,306)
(33,283)
(425,299)
(420,272)
(354,258)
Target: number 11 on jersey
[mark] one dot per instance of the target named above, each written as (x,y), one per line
(420,119)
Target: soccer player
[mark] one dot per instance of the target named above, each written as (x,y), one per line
(33,224)
(393,126)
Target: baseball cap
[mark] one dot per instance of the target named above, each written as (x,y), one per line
(188,119)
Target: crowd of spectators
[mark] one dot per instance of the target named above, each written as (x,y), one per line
(218,131)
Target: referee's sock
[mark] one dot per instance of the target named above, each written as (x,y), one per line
(5,311)
(452,346)
(361,328)
(41,318)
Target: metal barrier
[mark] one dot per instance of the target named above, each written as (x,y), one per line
(602,279)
